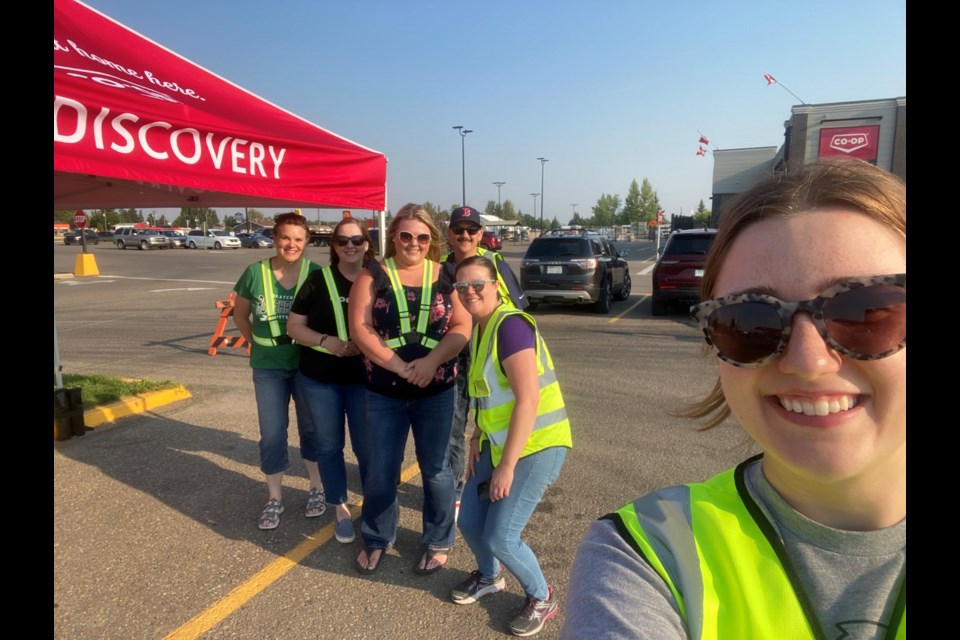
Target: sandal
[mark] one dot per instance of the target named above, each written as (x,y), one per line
(270,516)
(370,568)
(316,504)
(429,556)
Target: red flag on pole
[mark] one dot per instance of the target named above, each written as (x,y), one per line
(701,151)
(704,140)
(769,78)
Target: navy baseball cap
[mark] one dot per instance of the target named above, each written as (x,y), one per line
(465,214)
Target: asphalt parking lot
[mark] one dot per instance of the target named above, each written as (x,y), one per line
(155,515)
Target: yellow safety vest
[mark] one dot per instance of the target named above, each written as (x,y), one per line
(724,563)
(334,293)
(270,301)
(495,400)
(407,335)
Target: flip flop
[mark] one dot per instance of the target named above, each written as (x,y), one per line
(368,570)
(428,556)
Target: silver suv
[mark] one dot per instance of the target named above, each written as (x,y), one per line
(139,238)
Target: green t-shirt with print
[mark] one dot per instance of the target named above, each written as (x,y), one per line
(250,286)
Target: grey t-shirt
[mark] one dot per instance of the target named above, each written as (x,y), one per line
(851,577)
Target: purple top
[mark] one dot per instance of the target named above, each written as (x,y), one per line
(514,334)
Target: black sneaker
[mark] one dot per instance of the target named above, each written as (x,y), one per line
(534,613)
(476,587)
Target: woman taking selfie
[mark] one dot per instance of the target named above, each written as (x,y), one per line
(805,306)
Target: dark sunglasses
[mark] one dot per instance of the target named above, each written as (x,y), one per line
(863,318)
(407,237)
(471,230)
(476,285)
(343,241)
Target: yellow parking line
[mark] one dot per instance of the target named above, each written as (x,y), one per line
(218,611)
(628,309)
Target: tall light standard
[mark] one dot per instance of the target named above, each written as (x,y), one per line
(535,209)
(574,205)
(542,162)
(499,208)
(463,166)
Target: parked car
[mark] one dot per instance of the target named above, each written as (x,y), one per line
(106,235)
(584,269)
(255,240)
(214,239)
(139,238)
(491,241)
(175,239)
(679,269)
(73,237)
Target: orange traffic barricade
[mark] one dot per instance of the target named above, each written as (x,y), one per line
(218,341)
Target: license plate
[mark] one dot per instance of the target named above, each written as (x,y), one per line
(698,273)
(554,269)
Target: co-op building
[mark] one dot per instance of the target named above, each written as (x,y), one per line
(871,130)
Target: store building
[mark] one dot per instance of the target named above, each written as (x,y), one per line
(872,130)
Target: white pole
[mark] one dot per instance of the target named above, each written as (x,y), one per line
(56,354)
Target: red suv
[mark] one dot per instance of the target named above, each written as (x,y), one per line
(679,269)
(491,241)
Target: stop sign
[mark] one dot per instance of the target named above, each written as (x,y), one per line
(80,219)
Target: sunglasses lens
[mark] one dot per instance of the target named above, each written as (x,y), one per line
(470,230)
(868,321)
(478,285)
(746,332)
(461,287)
(406,236)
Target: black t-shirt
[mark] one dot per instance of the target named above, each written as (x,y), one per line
(313,301)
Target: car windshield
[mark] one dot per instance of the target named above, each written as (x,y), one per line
(558,248)
(699,244)
(218,232)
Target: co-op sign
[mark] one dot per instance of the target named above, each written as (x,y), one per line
(850,142)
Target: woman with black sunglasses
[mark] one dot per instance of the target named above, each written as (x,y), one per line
(517,449)
(805,306)
(410,328)
(331,380)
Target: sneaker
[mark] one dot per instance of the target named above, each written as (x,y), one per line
(316,503)
(534,613)
(476,587)
(344,531)
(270,516)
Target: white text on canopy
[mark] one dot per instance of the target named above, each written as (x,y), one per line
(124,133)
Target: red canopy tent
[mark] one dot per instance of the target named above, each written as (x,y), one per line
(136,125)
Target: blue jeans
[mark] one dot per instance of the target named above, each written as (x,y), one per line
(389,420)
(458,443)
(327,405)
(492,529)
(274,389)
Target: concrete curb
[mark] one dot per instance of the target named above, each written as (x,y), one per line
(131,405)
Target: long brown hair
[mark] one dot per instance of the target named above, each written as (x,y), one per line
(836,183)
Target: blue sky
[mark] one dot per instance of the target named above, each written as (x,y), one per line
(608,92)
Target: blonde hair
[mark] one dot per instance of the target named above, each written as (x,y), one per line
(837,183)
(416,212)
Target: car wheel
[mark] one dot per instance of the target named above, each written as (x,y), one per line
(606,298)
(120,245)
(97,241)
(658,306)
(625,289)
(193,245)
(217,246)
(144,246)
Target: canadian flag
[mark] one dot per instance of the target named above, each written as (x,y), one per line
(704,140)
(701,151)
(769,78)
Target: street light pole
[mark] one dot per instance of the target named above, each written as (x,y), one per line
(542,162)
(535,209)
(463,166)
(574,205)
(499,208)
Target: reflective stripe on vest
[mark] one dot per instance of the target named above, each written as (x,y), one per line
(337,308)
(407,336)
(495,400)
(270,300)
(707,541)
